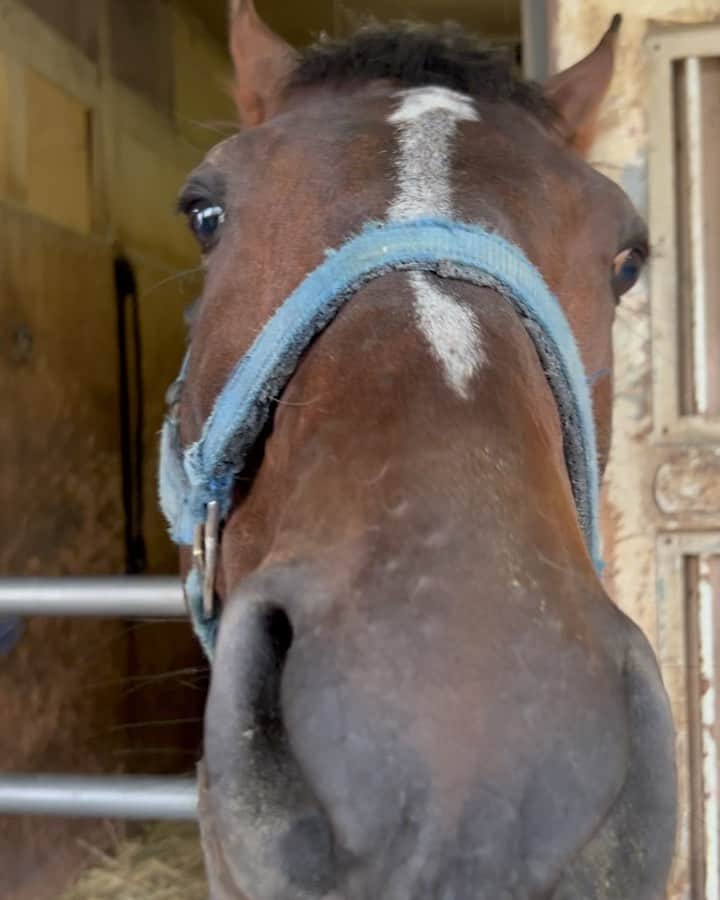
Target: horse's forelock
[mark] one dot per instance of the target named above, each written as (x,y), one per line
(416,56)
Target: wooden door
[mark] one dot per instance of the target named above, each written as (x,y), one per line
(684,447)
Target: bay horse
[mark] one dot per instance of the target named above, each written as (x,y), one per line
(420,689)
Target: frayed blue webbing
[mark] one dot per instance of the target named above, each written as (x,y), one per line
(205,627)
(206,470)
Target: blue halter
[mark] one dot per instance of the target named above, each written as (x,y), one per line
(201,476)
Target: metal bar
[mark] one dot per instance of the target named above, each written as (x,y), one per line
(536,39)
(121,597)
(99,796)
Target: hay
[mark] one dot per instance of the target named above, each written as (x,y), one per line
(162,862)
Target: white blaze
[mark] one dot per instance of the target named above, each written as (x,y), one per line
(427,119)
(451,329)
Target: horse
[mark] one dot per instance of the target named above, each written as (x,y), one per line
(420,689)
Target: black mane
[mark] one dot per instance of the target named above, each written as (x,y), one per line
(415,55)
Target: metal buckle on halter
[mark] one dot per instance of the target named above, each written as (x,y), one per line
(205,555)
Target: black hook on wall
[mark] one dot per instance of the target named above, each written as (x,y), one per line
(131,411)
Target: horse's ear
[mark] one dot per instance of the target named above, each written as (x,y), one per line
(263,61)
(577,92)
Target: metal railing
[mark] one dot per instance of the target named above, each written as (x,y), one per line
(112,597)
(104,796)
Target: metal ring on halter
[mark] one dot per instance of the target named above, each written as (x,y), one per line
(205,555)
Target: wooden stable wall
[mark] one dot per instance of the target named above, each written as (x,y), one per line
(102,105)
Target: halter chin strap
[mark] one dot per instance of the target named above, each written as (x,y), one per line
(196,483)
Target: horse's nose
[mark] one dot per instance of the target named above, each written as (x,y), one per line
(307,772)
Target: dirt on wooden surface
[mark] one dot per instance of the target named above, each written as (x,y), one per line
(161,862)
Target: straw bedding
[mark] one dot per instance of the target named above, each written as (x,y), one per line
(161,862)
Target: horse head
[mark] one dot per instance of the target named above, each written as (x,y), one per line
(386,447)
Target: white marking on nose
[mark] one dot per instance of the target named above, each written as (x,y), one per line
(452,331)
(427,120)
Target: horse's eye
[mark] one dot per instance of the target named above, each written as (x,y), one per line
(205,222)
(627,267)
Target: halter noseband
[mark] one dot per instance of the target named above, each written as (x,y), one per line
(196,482)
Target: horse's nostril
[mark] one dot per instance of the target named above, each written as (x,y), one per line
(253,647)
(269,818)
(279,631)
(244,710)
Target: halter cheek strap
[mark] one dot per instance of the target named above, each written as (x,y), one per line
(196,482)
